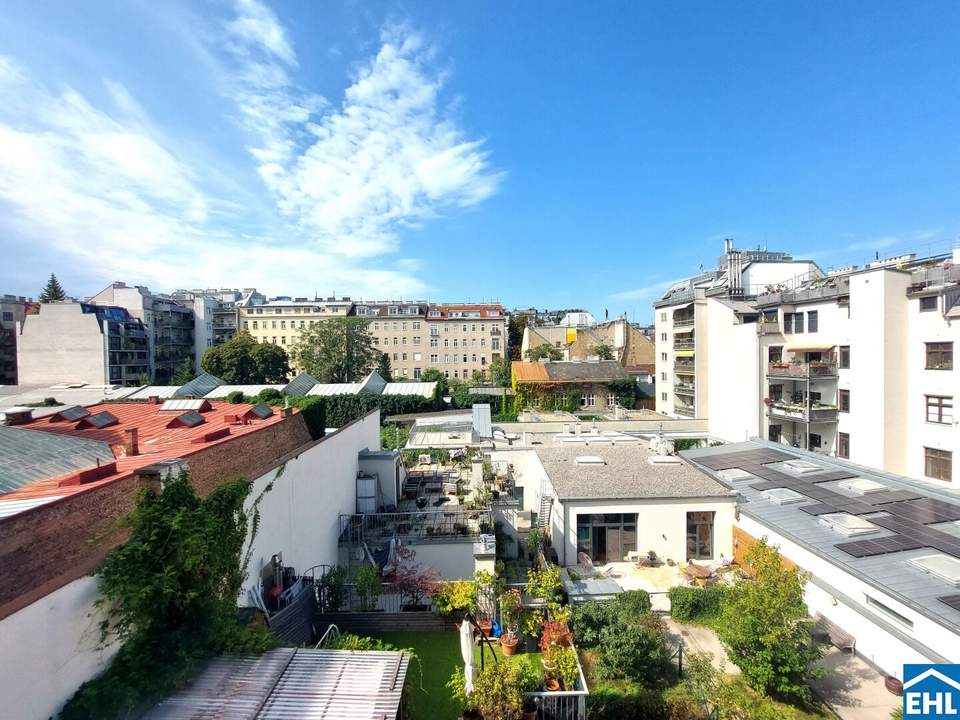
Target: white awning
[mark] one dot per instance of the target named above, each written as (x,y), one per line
(678,331)
(822,346)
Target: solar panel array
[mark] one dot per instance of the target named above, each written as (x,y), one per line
(262,411)
(71,414)
(100,420)
(198,404)
(904,513)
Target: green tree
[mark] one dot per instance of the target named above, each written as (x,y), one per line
(500,372)
(515,327)
(437,376)
(765,628)
(544,350)
(183,373)
(243,361)
(384,368)
(53,291)
(338,350)
(603,351)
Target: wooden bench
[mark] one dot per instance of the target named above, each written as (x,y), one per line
(837,636)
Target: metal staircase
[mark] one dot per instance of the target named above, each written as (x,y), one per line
(543,517)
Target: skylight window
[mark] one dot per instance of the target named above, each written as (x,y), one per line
(847,524)
(783,496)
(943,567)
(590,460)
(801,467)
(861,486)
(732,474)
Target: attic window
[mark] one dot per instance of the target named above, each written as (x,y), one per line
(861,486)
(590,460)
(189,419)
(847,524)
(943,567)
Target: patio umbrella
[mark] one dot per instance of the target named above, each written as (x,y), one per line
(466,651)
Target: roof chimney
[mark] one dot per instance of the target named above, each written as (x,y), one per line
(131,446)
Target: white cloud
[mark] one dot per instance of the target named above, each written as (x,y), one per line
(390,156)
(645,292)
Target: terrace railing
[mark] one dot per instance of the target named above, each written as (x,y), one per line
(563,704)
(435,524)
(822,368)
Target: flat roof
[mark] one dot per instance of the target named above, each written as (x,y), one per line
(624,473)
(913,518)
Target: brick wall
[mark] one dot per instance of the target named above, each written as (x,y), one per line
(49,546)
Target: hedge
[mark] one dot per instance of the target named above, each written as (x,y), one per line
(698,604)
(321,412)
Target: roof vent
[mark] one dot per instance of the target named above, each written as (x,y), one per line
(943,567)
(590,460)
(17,416)
(664,460)
(783,496)
(847,524)
(861,486)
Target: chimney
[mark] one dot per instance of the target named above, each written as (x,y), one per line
(131,446)
(154,399)
(149,478)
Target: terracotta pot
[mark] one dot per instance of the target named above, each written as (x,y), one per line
(893,685)
(551,684)
(509,644)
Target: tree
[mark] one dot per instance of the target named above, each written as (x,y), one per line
(243,361)
(515,327)
(500,372)
(53,291)
(183,373)
(603,351)
(765,628)
(338,350)
(434,375)
(383,367)
(544,350)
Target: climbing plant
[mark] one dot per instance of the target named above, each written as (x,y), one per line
(170,593)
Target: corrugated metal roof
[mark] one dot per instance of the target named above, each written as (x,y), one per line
(335,389)
(12,507)
(220,392)
(30,455)
(300,385)
(199,386)
(184,404)
(292,683)
(149,391)
(425,389)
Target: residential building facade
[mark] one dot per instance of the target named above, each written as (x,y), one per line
(169,325)
(630,347)
(281,320)
(82,343)
(216,315)
(13,311)
(569,385)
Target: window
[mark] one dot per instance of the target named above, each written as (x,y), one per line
(456,373)
(7,316)
(254,324)
(939,409)
(843,445)
(663,376)
(939,356)
(888,611)
(663,337)
(611,399)
(274,339)
(663,356)
(416,339)
(416,326)
(416,373)
(403,340)
(815,441)
(464,357)
(434,342)
(394,355)
(775,354)
(495,343)
(606,537)
(663,317)
(302,324)
(456,342)
(798,322)
(434,359)
(591,400)
(283,324)
(776,392)
(700,535)
(845,357)
(273,324)
(843,400)
(403,357)
(283,339)
(813,319)
(938,464)
(928,303)
(773,433)
(446,342)
(663,396)
(787,323)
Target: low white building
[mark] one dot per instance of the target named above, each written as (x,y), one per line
(882,551)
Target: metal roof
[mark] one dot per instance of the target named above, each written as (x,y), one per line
(221,391)
(199,386)
(425,389)
(289,683)
(300,385)
(334,389)
(185,404)
(149,391)
(30,455)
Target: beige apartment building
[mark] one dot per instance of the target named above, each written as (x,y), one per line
(281,320)
(456,339)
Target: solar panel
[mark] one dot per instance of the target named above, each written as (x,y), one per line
(951,600)
(818,509)
(198,404)
(70,414)
(300,385)
(262,411)
(98,421)
(189,419)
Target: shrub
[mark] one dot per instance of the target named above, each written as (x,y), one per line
(636,650)
(331,589)
(566,667)
(588,620)
(270,395)
(613,703)
(699,604)
(632,603)
(355,642)
(452,595)
(555,634)
(314,411)
(235,397)
(497,689)
(369,587)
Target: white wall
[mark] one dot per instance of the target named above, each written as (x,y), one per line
(61,344)
(874,641)
(734,372)
(759,274)
(48,649)
(454,560)
(300,514)
(661,525)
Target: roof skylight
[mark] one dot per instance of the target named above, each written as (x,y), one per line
(941,566)
(783,496)
(801,467)
(847,524)
(861,486)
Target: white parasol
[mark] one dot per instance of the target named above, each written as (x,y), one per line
(466,651)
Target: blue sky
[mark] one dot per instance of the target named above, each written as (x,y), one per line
(553,154)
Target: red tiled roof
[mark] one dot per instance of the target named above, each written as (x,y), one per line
(156,441)
(529,372)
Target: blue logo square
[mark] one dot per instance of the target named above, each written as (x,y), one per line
(931,692)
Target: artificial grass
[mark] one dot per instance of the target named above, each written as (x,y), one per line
(439,656)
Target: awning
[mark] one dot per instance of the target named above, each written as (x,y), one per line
(811,347)
(683,353)
(681,307)
(683,330)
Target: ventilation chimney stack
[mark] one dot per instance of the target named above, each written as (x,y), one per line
(131,444)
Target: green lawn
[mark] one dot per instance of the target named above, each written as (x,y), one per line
(439,655)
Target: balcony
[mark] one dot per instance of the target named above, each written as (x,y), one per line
(684,344)
(797,412)
(430,525)
(683,322)
(684,388)
(686,368)
(802,370)
(768,327)
(685,410)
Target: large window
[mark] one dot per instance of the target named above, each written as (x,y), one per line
(793,322)
(939,409)
(938,464)
(774,433)
(843,445)
(844,357)
(812,321)
(700,535)
(939,356)
(843,400)
(607,537)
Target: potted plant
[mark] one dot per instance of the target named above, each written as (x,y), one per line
(566,668)
(555,634)
(369,587)
(551,684)
(533,542)
(531,622)
(510,615)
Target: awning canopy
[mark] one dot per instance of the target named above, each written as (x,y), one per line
(811,346)
(683,330)
(683,353)
(675,308)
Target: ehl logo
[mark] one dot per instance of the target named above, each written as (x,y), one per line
(931,692)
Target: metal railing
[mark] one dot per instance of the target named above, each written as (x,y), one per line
(684,367)
(683,345)
(683,322)
(822,368)
(685,410)
(563,704)
(803,414)
(684,388)
(443,525)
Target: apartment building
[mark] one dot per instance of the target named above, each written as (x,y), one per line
(13,310)
(169,325)
(280,320)
(73,342)
(689,312)
(216,315)
(630,347)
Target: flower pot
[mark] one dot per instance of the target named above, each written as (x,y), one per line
(508,643)
(551,684)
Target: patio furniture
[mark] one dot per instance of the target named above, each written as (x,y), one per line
(837,636)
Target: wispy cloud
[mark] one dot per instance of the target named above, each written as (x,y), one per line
(389,156)
(645,292)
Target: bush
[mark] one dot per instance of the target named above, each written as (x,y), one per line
(632,604)
(355,642)
(452,595)
(314,411)
(270,395)
(331,589)
(235,397)
(588,620)
(636,650)
(612,703)
(697,604)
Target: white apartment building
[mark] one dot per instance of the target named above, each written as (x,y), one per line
(686,318)
(216,315)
